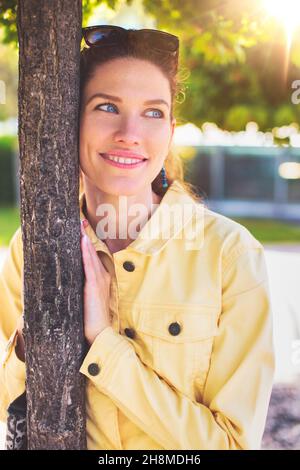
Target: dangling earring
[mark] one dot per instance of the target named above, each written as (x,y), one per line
(164,178)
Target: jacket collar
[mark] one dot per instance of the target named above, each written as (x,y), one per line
(175,212)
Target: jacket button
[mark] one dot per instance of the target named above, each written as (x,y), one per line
(129,266)
(174,329)
(93,369)
(129,332)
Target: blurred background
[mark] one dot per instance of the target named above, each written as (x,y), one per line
(238,134)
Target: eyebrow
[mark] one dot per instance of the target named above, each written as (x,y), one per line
(116,98)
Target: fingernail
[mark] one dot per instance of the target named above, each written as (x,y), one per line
(82,231)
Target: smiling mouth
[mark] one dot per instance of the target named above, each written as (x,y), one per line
(122,162)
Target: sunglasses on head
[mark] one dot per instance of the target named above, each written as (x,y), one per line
(108,35)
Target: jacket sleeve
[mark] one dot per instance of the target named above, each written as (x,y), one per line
(236,395)
(12,369)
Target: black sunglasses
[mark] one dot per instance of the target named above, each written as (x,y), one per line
(110,35)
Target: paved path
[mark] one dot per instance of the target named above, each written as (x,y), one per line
(284,277)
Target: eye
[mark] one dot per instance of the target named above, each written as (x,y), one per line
(159,111)
(111,105)
(105,104)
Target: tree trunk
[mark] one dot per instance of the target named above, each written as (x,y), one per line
(49,44)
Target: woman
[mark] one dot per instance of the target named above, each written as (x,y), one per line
(176,307)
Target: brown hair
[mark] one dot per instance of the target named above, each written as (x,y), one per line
(91,57)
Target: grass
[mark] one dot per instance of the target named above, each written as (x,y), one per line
(272,231)
(266,231)
(9,222)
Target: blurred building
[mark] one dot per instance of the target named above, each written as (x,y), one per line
(243,174)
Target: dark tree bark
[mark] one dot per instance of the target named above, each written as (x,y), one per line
(49,36)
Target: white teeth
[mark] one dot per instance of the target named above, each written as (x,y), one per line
(128,161)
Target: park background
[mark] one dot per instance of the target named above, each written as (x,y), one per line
(238,134)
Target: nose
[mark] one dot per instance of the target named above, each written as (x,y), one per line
(129,132)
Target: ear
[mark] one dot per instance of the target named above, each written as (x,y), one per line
(173,124)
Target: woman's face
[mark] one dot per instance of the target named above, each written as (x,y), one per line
(125,121)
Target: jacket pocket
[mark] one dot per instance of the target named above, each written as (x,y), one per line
(181,339)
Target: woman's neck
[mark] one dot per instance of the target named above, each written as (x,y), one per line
(112,223)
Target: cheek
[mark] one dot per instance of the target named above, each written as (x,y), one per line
(154,136)
(83,130)
(92,128)
(160,137)
(86,139)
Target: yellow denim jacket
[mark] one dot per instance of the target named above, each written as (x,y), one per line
(188,361)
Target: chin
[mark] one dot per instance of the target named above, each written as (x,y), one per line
(122,188)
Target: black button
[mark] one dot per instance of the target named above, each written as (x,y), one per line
(93,369)
(129,332)
(174,329)
(129,266)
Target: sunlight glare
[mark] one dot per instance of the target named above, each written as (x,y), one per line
(286,11)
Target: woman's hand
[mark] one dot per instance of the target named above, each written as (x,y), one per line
(96,297)
(20,346)
(96,290)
